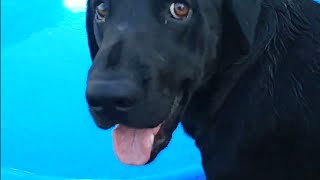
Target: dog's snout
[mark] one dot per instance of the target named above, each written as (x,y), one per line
(123,26)
(116,94)
(115,54)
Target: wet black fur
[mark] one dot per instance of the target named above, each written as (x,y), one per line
(254,109)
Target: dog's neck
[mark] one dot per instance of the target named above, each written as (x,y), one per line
(272,44)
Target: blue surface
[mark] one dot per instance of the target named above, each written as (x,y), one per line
(46,130)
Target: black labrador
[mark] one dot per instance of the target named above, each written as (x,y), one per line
(242,76)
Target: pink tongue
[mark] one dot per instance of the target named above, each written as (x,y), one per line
(133,146)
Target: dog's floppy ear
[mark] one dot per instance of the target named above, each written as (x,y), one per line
(240,19)
(93,46)
(246,14)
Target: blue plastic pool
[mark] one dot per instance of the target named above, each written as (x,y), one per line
(46,130)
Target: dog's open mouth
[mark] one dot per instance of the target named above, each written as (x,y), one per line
(140,146)
(134,146)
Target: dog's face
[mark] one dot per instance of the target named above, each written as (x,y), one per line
(148,58)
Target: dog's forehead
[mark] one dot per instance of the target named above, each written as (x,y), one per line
(132,6)
(145,8)
(133,12)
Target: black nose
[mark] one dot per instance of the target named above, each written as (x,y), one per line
(119,94)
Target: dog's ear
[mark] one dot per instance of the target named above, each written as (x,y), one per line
(93,46)
(240,19)
(246,14)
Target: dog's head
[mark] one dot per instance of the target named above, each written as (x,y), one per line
(149,56)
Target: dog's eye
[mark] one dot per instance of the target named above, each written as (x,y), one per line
(101,12)
(179,10)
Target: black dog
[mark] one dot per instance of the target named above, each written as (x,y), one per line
(244,75)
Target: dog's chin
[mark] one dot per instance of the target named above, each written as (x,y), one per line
(161,134)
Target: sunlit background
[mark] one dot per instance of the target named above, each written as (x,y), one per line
(75,6)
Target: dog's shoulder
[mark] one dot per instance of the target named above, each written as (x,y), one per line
(273,107)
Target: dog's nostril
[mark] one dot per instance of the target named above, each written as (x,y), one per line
(97,108)
(123,104)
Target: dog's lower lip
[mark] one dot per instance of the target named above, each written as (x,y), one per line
(163,137)
(106,127)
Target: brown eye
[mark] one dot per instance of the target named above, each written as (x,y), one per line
(179,10)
